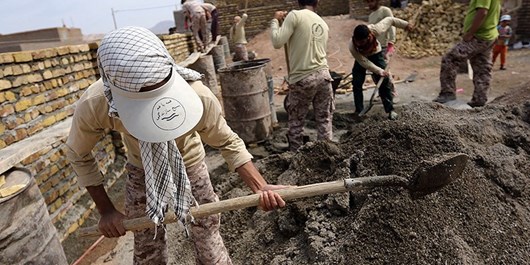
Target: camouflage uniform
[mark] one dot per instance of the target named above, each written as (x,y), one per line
(315,88)
(208,243)
(479,54)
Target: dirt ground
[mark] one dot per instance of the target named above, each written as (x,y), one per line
(481,218)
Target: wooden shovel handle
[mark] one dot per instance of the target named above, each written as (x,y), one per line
(253,200)
(228,205)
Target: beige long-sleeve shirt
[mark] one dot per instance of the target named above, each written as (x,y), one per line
(306,35)
(378,15)
(193,8)
(237,32)
(377,29)
(91,119)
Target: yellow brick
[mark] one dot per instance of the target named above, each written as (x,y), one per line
(63,50)
(26,90)
(61,92)
(73,228)
(27,117)
(17,69)
(22,104)
(39,99)
(54,83)
(2,97)
(22,57)
(47,74)
(47,64)
(5,84)
(7,71)
(6,58)
(73,48)
(48,121)
(6,110)
(65,61)
(48,109)
(10,96)
(25,68)
(2,144)
(61,115)
(34,78)
(2,128)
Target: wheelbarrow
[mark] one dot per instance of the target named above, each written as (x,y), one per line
(426,179)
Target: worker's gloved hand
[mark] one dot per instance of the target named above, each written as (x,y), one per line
(111,224)
(270,200)
(390,49)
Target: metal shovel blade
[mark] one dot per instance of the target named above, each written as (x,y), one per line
(436,174)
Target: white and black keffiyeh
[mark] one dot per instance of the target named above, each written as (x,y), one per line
(131,58)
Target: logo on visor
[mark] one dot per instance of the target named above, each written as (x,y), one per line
(168,114)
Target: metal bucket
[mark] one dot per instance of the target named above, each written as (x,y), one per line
(218,57)
(27,235)
(246,100)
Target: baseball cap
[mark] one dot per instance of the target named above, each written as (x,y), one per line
(506,18)
(132,58)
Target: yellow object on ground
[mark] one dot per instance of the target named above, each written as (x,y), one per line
(11,190)
(2,180)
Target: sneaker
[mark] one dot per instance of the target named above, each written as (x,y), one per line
(445,97)
(475,104)
(502,68)
(393,115)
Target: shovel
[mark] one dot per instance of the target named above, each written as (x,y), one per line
(426,179)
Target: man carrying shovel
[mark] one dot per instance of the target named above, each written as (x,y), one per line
(368,54)
(306,36)
(164,114)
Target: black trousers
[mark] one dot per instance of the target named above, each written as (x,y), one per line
(358,77)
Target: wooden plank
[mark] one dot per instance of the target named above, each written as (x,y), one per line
(13,154)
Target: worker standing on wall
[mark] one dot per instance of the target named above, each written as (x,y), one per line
(212,15)
(237,36)
(306,36)
(196,13)
(164,114)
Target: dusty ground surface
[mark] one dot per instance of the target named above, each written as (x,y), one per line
(482,218)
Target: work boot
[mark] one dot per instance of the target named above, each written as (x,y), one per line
(445,97)
(393,116)
(475,104)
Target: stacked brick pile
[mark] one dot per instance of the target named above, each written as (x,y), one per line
(179,45)
(438,26)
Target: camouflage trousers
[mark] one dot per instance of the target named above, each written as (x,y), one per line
(200,28)
(479,54)
(209,246)
(240,53)
(314,89)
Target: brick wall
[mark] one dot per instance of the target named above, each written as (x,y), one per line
(38,90)
(179,45)
(260,12)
